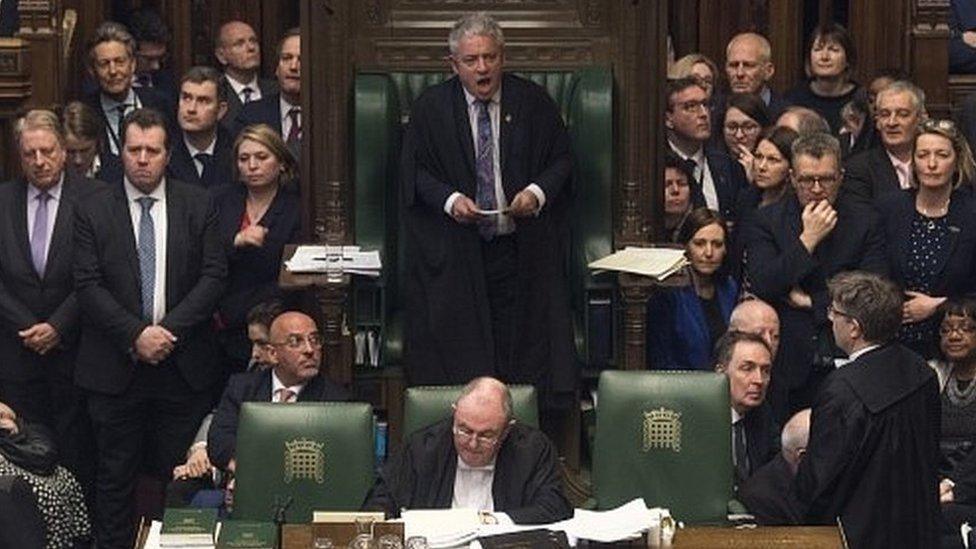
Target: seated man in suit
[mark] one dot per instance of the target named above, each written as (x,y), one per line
(282,110)
(755,316)
(112,62)
(238,51)
(746,360)
(801,241)
(202,151)
(717,177)
(295,354)
(898,110)
(480,458)
(872,460)
(803,120)
(768,494)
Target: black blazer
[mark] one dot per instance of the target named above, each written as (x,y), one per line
(266,85)
(267,110)
(182,166)
(729,179)
(957,264)
(252,273)
(109,290)
(26,298)
(256,387)
(149,97)
(870,174)
(762,436)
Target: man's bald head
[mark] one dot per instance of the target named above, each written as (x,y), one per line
(794,438)
(487,392)
(282,323)
(296,347)
(482,416)
(751,40)
(755,316)
(748,63)
(803,120)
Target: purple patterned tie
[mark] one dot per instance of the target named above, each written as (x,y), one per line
(485,171)
(38,239)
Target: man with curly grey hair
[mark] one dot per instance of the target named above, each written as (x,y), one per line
(485,190)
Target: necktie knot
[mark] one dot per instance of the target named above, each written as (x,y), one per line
(203,158)
(43,197)
(247,92)
(295,132)
(146,202)
(122,108)
(285,395)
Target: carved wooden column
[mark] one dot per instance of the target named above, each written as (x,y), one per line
(40,27)
(642,69)
(930,53)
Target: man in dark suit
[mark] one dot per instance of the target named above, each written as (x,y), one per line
(746,360)
(872,461)
(238,51)
(485,232)
(768,494)
(149,269)
(152,52)
(749,67)
(112,62)
(718,177)
(202,152)
(295,354)
(801,241)
(38,309)
(899,109)
(755,316)
(283,110)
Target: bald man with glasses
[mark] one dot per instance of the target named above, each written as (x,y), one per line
(479,458)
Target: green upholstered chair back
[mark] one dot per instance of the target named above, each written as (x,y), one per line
(382,110)
(666,437)
(425,405)
(318,454)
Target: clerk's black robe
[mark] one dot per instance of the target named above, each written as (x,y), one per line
(448,335)
(526,484)
(873,453)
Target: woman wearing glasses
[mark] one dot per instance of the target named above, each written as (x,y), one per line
(930,231)
(686,322)
(745,118)
(257,218)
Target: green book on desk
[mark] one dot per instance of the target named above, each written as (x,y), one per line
(247,534)
(188,527)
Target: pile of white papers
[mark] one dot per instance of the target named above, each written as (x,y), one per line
(335,259)
(442,527)
(658,263)
(628,521)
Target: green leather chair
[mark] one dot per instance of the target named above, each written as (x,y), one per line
(317,454)
(666,437)
(425,405)
(381,111)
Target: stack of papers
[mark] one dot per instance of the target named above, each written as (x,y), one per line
(628,521)
(658,263)
(442,527)
(335,259)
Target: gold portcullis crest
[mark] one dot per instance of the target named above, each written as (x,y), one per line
(304,459)
(662,430)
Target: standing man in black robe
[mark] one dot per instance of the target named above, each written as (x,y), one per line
(485,291)
(874,437)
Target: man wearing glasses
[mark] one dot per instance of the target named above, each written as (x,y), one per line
(295,354)
(798,243)
(480,458)
(872,460)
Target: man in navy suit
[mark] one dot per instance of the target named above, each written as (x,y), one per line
(798,243)
(295,354)
(283,110)
(202,152)
(239,53)
(718,177)
(149,270)
(112,62)
(749,66)
(38,309)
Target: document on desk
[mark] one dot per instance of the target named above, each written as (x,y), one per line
(345,259)
(442,527)
(658,263)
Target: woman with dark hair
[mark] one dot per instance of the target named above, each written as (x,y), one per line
(257,218)
(745,118)
(677,195)
(686,322)
(957,369)
(930,232)
(831,57)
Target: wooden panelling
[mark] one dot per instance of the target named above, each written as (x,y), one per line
(881,33)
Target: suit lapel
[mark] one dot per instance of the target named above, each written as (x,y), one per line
(18,215)
(906,214)
(122,214)
(463,124)
(886,171)
(958,220)
(507,122)
(61,237)
(175,234)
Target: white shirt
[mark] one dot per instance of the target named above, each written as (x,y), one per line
(702,173)
(239,87)
(158,213)
(285,119)
(903,169)
(52,210)
(839,362)
(277,385)
(472,487)
(506,225)
(195,151)
(110,108)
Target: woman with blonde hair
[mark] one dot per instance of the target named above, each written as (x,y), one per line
(930,231)
(699,67)
(257,218)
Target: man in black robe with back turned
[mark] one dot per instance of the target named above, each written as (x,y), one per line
(486,292)
(873,454)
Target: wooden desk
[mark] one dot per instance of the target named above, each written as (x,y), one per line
(767,537)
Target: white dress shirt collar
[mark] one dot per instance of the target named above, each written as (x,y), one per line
(276,385)
(238,87)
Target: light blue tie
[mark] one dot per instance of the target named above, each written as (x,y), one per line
(147,256)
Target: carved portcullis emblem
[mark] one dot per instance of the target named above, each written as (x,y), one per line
(304,459)
(662,430)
